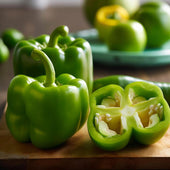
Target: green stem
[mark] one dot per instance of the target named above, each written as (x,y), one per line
(115,16)
(59,31)
(49,68)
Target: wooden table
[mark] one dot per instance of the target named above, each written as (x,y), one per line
(78,152)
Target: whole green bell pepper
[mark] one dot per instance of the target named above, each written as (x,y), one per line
(68,55)
(124,80)
(46,110)
(139,111)
(155,17)
(4,52)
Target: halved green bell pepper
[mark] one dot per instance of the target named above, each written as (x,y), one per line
(68,55)
(124,80)
(46,110)
(139,111)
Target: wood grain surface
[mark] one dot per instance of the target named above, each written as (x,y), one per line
(79,149)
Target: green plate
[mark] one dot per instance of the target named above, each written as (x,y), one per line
(147,58)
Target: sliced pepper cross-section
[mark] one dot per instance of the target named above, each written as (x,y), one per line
(139,111)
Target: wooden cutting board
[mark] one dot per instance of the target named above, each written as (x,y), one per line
(79,152)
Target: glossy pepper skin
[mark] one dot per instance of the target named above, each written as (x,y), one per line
(4,52)
(46,110)
(68,55)
(139,111)
(124,80)
(155,17)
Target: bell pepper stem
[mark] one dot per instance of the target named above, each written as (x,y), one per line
(59,31)
(49,68)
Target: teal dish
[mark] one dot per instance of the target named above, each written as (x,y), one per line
(147,58)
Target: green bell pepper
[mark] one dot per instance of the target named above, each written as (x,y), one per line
(123,81)
(155,17)
(68,55)
(11,37)
(4,52)
(139,112)
(46,110)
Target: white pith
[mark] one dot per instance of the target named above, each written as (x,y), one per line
(110,125)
